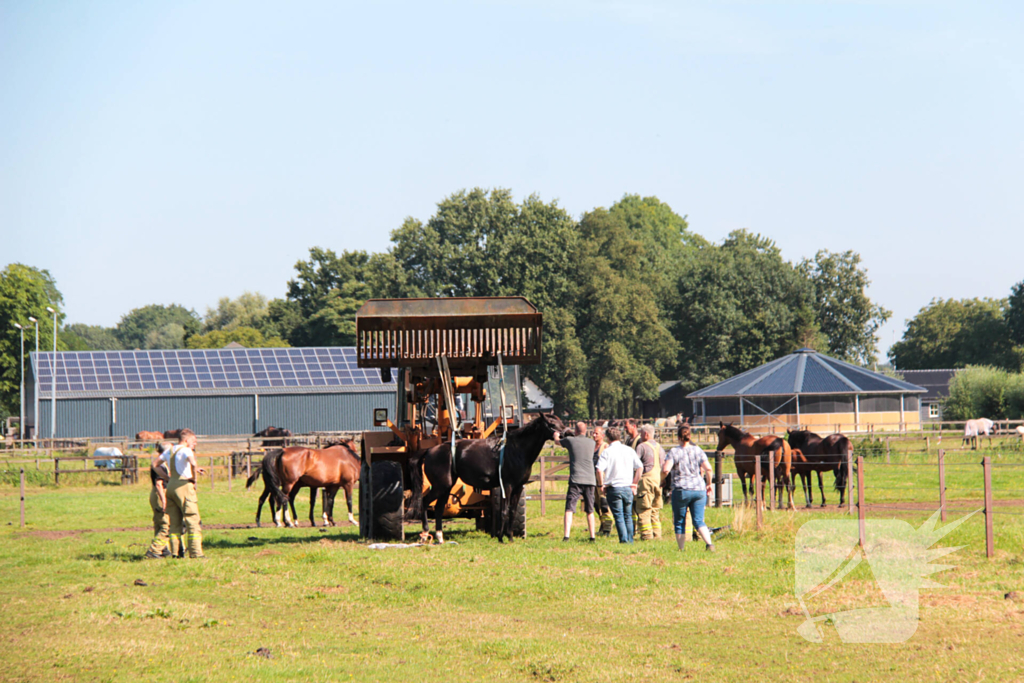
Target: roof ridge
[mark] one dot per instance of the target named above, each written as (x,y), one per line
(842,378)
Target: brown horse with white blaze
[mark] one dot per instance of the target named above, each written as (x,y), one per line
(748,449)
(330,468)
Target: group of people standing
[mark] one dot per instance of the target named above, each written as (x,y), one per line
(627,481)
(174,502)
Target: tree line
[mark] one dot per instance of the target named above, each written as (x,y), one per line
(631,297)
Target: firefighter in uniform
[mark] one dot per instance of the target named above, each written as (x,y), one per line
(182,503)
(648,494)
(159,479)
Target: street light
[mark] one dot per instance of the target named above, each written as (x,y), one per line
(53,379)
(21,423)
(35,389)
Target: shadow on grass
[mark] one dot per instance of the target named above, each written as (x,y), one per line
(110,557)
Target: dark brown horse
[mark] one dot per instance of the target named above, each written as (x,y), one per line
(829,454)
(330,468)
(277,437)
(773,450)
(476,464)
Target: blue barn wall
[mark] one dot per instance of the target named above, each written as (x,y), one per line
(92,417)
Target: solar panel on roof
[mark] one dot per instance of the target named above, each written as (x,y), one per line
(203,369)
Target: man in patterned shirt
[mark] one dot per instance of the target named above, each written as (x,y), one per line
(691,485)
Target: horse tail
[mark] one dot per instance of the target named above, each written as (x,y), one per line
(272,479)
(256,471)
(845,453)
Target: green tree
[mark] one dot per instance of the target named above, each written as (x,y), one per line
(24,291)
(248,337)
(481,243)
(248,310)
(983,391)
(81,337)
(327,290)
(157,326)
(845,315)
(740,305)
(951,333)
(626,345)
(665,239)
(1015,314)
(282,320)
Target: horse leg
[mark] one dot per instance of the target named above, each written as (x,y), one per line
(348,501)
(259,508)
(821,487)
(808,488)
(439,506)
(329,495)
(513,506)
(312,507)
(286,503)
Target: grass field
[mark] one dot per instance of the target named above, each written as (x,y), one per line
(328,608)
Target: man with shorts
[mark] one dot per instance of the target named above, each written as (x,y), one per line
(582,478)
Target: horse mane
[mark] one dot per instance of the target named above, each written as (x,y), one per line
(733,431)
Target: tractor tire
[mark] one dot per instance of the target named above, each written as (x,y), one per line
(388,516)
(518,519)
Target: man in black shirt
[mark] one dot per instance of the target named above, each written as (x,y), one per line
(582,478)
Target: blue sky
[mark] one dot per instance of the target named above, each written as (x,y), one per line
(180,152)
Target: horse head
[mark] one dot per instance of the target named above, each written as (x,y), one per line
(728,435)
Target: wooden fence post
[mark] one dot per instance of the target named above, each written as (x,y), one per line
(927,444)
(543,481)
(888,449)
(22,496)
(248,464)
(849,485)
(718,480)
(231,468)
(860,499)
(771,482)
(56,471)
(942,484)
(757,491)
(990,544)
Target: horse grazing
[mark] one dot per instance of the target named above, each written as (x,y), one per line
(817,454)
(748,449)
(476,464)
(149,436)
(259,470)
(975,428)
(330,468)
(278,437)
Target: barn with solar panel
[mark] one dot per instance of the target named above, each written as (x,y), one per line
(211,391)
(812,390)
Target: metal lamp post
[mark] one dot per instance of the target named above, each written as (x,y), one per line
(21,401)
(53,379)
(35,389)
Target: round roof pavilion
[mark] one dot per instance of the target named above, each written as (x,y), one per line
(806,371)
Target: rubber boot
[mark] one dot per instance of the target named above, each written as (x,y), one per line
(175,542)
(657,524)
(195,545)
(681,541)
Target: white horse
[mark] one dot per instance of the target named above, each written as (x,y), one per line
(975,428)
(1020,432)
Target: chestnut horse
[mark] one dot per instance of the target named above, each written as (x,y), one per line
(330,468)
(748,449)
(829,454)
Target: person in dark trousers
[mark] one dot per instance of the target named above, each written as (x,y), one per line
(618,470)
(603,510)
(691,486)
(582,477)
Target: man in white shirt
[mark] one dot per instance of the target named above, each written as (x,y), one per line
(618,471)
